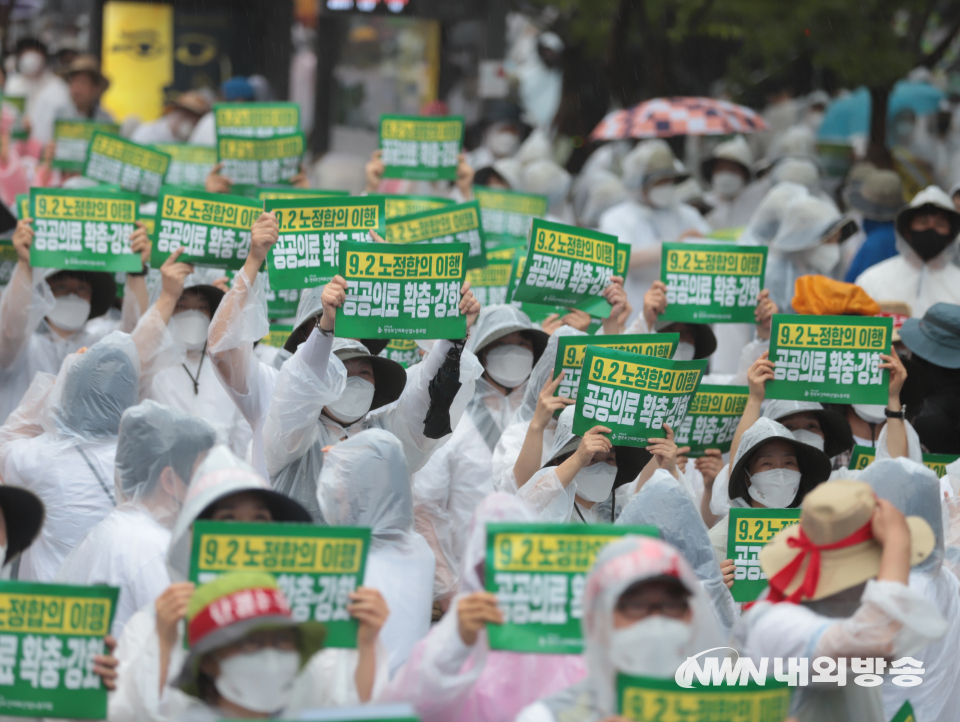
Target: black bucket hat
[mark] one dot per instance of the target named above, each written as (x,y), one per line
(704,340)
(390,376)
(103,288)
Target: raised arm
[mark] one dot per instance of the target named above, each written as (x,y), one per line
(26,300)
(760,372)
(531,453)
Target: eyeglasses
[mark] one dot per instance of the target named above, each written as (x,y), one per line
(674,607)
(285,639)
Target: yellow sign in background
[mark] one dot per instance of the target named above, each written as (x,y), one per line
(137,58)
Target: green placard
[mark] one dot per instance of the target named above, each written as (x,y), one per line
(261,160)
(316,566)
(421,148)
(572,349)
(490,283)
(538,572)
(600,308)
(566,265)
(83,229)
(830,359)
(645,699)
(404,351)
(535,311)
(263,194)
(282,303)
(449,224)
(904,714)
(712,283)
(189,164)
(72,138)
(311,231)
(396,206)
(134,167)
(862,457)
(49,635)
(256,120)
(19,103)
(748,531)
(634,395)
(508,215)
(22,205)
(712,419)
(402,291)
(212,227)
(277,336)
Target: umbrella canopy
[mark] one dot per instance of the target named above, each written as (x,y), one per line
(663,117)
(851,115)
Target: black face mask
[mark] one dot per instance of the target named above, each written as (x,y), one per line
(928,244)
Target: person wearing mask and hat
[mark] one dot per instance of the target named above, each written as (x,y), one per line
(588,479)
(727,170)
(70,464)
(501,134)
(840,588)
(460,474)
(87,85)
(177,123)
(254,661)
(915,491)
(933,343)
(644,613)
(807,242)
(653,215)
(878,199)
(237,89)
(44,90)
(158,450)
(452,673)
(171,340)
(923,273)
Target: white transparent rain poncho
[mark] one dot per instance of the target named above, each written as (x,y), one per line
(364,482)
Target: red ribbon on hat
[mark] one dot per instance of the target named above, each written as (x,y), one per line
(808,587)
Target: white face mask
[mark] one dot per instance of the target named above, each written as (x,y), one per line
(189,329)
(503,143)
(355,401)
(31,63)
(685,351)
(809,438)
(661,196)
(509,365)
(653,647)
(860,441)
(595,482)
(70,312)
(871,413)
(776,488)
(726,184)
(260,681)
(824,258)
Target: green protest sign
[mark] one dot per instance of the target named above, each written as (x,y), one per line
(111,159)
(261,160)
(311,231)
(571,351)
(189,164)
(22,205)
(83,229)
(709,283)
(421,148)
(49,636)
(317,567)
(712,419)
(72,138)
(402,291)
(566,266)
(277,336)
(748,531)
(449,224)
(213,228)
(600,308)
(535,311)
(634,395)
(18,104)
(863,456)
(538,572)
(490,283)
(904,714)
(396,206)
(508,215)
(645,699)
(831,359)
(256,120)
(404,351)
(267,193)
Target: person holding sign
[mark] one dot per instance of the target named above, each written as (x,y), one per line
(582,475)
(45,314)
(248,658)
(644,613)
(158,450)
(459,474)
(839,588)
(452,674)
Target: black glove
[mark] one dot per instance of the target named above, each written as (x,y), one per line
(443,388)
